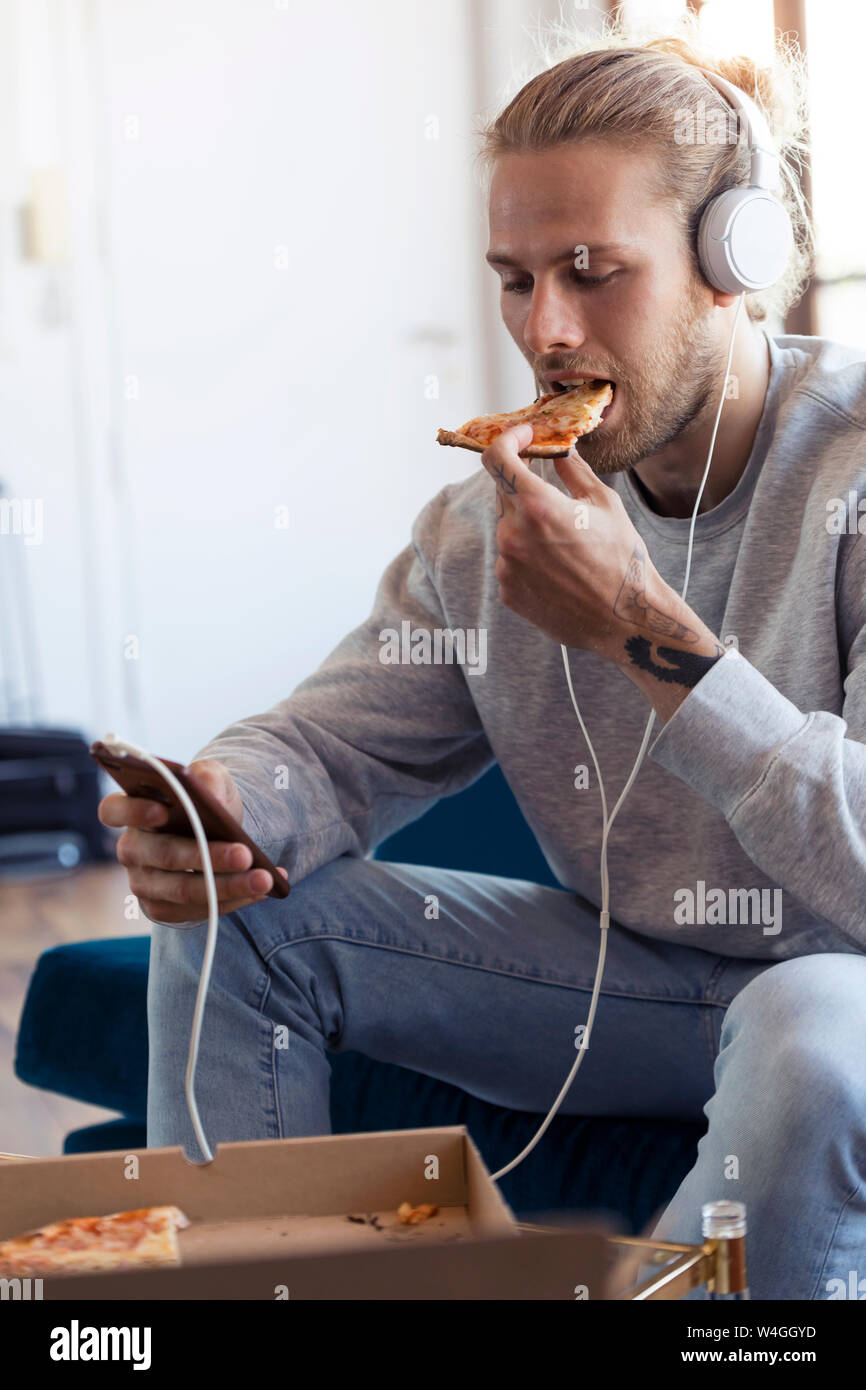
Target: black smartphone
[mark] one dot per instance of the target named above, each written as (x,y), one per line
(138,778)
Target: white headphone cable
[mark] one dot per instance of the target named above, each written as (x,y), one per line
(604,920)
(120,746)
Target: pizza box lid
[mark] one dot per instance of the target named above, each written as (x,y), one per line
(325,1175)
(270,1219)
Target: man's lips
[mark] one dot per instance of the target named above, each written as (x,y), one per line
(560,382)
(550,378)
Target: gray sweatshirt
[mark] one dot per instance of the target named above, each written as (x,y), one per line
(745,830)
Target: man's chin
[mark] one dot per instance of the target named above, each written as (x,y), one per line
(616,448)
(610,455)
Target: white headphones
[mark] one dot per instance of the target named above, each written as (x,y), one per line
(745,235)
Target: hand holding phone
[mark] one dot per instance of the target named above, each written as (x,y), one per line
(157,846)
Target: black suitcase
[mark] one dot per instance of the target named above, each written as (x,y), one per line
(49,784)
(49,792)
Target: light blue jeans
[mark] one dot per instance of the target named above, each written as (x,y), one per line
(488,994)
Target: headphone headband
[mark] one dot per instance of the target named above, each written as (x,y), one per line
(745,235)
(764,171)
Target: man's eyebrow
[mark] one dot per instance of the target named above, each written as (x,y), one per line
(500,258)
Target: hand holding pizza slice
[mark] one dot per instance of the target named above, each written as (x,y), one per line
(557,421)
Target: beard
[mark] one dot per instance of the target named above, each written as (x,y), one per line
(664,394)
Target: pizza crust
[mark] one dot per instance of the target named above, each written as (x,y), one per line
(535,451)
(408,1215)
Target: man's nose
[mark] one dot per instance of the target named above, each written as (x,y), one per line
(554,321)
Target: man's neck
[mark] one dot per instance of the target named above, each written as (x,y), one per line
(669,480)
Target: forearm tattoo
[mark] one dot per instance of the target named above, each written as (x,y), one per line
(633,605)
(684,667)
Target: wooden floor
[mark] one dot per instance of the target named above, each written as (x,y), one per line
(34,916)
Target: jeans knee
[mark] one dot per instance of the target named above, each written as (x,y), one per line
(802,1026)
(350,893)
(344,875)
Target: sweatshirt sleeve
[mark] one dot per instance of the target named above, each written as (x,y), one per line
(790,783)
(362,746)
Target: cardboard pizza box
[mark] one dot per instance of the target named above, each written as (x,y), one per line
(312,1218)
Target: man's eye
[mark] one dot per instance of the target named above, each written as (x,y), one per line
(588,281)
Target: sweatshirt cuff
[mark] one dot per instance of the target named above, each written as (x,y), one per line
(250,799)
(722,738)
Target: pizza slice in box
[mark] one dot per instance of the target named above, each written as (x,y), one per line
(95,1244)
(557,421)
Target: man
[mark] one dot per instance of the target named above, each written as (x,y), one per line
(736,958)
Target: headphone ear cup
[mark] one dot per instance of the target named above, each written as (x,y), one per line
(744,240)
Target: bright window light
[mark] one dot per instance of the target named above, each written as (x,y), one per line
(740,26)
(657,12)
(744,26)
(835,81)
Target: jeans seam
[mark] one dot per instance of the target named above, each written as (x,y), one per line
(698,1001)
(716,974)
(270,1067)
(843,1208)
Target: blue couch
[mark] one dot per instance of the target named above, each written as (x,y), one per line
(83,1033)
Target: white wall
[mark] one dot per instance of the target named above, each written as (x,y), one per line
(291,261)
(270,258)
(38,460)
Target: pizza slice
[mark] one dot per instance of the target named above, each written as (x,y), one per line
(557,421)
(87,1244)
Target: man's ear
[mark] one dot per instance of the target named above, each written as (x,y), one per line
(723,300)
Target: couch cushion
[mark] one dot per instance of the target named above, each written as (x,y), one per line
(127,1135)
(83,1030)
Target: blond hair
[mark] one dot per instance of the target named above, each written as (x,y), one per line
(633,88)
